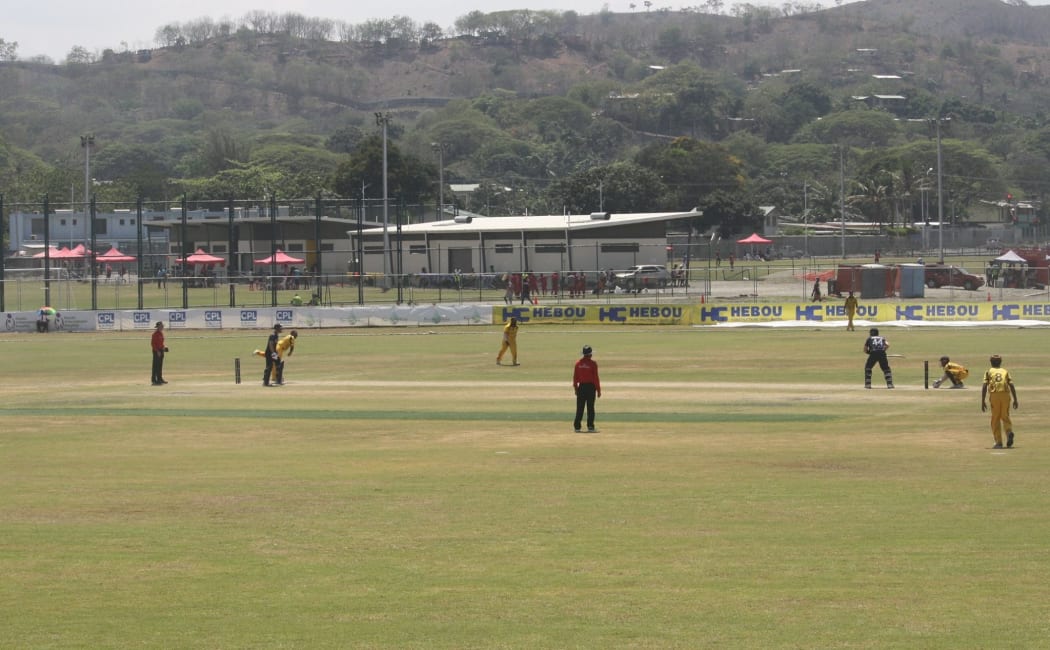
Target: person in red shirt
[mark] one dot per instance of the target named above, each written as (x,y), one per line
(588,387)
(158,347)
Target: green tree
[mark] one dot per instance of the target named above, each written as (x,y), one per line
(618,187)
(730,213)
(409,178)
(8,50)
(859,128)
(691,169)
(137,166)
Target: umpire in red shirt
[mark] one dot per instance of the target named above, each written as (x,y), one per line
(588,387)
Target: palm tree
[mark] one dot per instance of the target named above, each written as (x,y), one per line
(870,198)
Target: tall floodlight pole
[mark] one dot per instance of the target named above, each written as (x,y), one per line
(940,195)
(440,148)
(842,197)
(382,119)
(805,218)
(87,141)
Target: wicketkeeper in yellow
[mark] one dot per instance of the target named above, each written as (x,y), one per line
(999,388)
(510,342)
(954,372)
(284,348)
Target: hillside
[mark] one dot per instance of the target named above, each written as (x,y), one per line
(641,76)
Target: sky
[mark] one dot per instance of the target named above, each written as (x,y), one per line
(53,27)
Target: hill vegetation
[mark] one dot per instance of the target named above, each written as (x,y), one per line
(556,111)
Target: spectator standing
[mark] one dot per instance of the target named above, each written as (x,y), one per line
(526,287)
(508,290)
(588,388)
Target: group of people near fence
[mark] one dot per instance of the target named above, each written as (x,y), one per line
(528,286)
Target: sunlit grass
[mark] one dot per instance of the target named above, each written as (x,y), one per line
(403,491)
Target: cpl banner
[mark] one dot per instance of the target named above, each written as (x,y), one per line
(252,318)
(470,314)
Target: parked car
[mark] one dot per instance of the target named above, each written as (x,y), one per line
(946,275)
(644,276)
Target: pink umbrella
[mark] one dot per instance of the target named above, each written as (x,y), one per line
(51,252)
(280,257)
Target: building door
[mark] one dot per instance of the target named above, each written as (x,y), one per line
(462,259)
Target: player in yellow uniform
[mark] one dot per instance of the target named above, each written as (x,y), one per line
(510,342)
(999,388)
(285,347)
(954,372)
(851,311)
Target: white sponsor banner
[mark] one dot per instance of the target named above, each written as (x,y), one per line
(252,318)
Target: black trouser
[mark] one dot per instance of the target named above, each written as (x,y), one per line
(884,364)
(585,395)
(269,368)
(157,375)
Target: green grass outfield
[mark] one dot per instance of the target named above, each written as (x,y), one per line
(403,491)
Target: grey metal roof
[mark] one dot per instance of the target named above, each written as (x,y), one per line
(538,223)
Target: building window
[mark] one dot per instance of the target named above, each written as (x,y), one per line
(327,248)
(504,248)
(417,249)
(374,250)
(122,222)
(631,247)
(101,226)
(550,248)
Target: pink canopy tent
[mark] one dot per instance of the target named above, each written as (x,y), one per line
(280,257)
(61,254)
(114,256)
(200,257)
(754,238)
(81,251)
(51,252)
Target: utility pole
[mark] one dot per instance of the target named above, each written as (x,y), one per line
(383,120)
(940,195)
(87,141)
(440,148)
(842,196)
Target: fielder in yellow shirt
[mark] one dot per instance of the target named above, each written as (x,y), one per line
(510,342)
(851,311)
(999,388)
